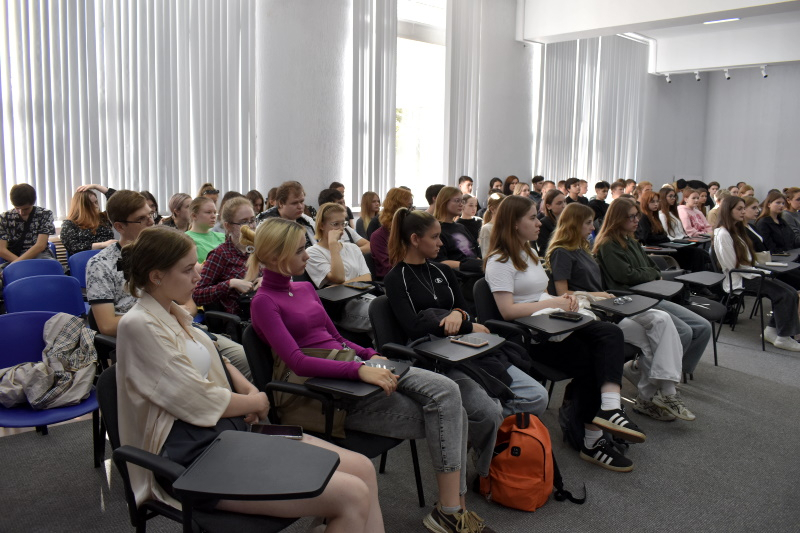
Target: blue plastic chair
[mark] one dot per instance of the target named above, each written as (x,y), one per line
(22,343)
(31,267)
(53,249)
(77,265)
(59,294)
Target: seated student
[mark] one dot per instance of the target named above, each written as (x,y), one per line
(701,203)
(290,204)
(86,228)
(228,196)
(593,355)
(459,248)
(552,206)
(713,187)
(693,220)
(486,230)
(573,186)
(153,204)
(509,185)
(668,214)
(746,190)
(290,317)
(522,189)
(734,249)
(202,216)
(370,207)
(25,230)
(537,190)
(379,240)
(271,198)
(641,188)
(105,285)
(179,207)
(350,235)
(650,232)
(428,295)
(617,189)
(778,236)
(468,217)
(223,278)
(599,205)
(495,187)
(791,215)
(584,187)
(624,263)
(659,369)
(257,200)
(630,185)
(340,187)
(431,194)
(207,190)
(172,383)
(713,214)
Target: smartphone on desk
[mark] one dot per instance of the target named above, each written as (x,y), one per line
(469,340)
(566,315)
(780,254)
(360,285)
(274,430)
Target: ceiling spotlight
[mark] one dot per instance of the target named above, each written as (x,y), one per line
(721,20)
(763,71)
(727,75)
(697,75)
(668,80)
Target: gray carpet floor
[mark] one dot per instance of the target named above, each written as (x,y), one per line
(733,469)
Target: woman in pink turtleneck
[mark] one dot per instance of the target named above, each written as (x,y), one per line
(289,316)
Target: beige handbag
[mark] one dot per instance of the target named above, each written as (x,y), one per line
(303,411)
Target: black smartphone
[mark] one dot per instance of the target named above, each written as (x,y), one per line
(566,315)
(273,430)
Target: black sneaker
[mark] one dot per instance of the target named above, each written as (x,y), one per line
(603,454)
(617,423)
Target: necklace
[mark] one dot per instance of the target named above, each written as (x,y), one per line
(430,278)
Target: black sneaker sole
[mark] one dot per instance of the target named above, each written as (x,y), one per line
(590,459)
(630,435)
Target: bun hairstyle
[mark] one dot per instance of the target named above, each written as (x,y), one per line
(273,240)
(405,224)
(157,248)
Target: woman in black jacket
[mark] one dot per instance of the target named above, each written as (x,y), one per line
(651,232)
(778,236)
(553,204)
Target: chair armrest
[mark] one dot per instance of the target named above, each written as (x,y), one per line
(508,330)
(392,350)
(105,340)
(223,316)
(155,463)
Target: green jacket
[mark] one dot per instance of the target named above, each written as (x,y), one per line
(623,267)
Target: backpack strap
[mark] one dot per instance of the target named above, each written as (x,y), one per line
(558,484)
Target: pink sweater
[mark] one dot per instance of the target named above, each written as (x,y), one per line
(693,221)
(289,323)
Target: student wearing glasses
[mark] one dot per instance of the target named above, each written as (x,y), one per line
(202,216)
(224,275)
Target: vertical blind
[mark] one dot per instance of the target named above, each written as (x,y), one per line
(138,94)
(590,116)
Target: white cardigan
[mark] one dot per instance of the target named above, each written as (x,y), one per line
(726,256)
(677,227)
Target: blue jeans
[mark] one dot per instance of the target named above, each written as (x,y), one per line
(694,330)
(426,406)
(531,396)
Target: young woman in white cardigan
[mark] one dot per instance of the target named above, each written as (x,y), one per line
(734,250)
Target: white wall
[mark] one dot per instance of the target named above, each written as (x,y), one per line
(753,128)
(304,93)
(674,128)
(509,97)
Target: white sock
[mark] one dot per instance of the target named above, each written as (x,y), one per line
(451,510)
(609,401)
(591,436)
(668,388)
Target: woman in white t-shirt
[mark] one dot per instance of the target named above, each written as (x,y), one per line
(592,355)
(333,262)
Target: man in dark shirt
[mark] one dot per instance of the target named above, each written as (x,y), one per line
(598,204)
(25,230)
(573,187)
(536,192)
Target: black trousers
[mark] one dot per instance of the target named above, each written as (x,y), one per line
(784,304)
(592,355)
(692,258)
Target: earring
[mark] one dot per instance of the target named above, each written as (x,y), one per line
(158,282)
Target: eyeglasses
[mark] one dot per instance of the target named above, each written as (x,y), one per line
(210,191)
(622,300)
(635,217)
(336,225)
(145,220)
(251,222)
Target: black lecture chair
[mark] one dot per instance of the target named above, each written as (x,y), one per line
(259,357)
(209,521)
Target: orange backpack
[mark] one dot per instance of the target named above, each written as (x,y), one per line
(523,471)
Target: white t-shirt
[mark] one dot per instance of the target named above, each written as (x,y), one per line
(199,356)
(526,286)
(319,263)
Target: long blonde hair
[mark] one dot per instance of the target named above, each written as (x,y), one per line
(568,233)
(366,207)
(273,240)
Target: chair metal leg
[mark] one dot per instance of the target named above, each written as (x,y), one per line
(685,378)
(756,307)
(549,393)
(761,315)
(98,438)
(714,336)
(382,467)
(41,429)
(417,476)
